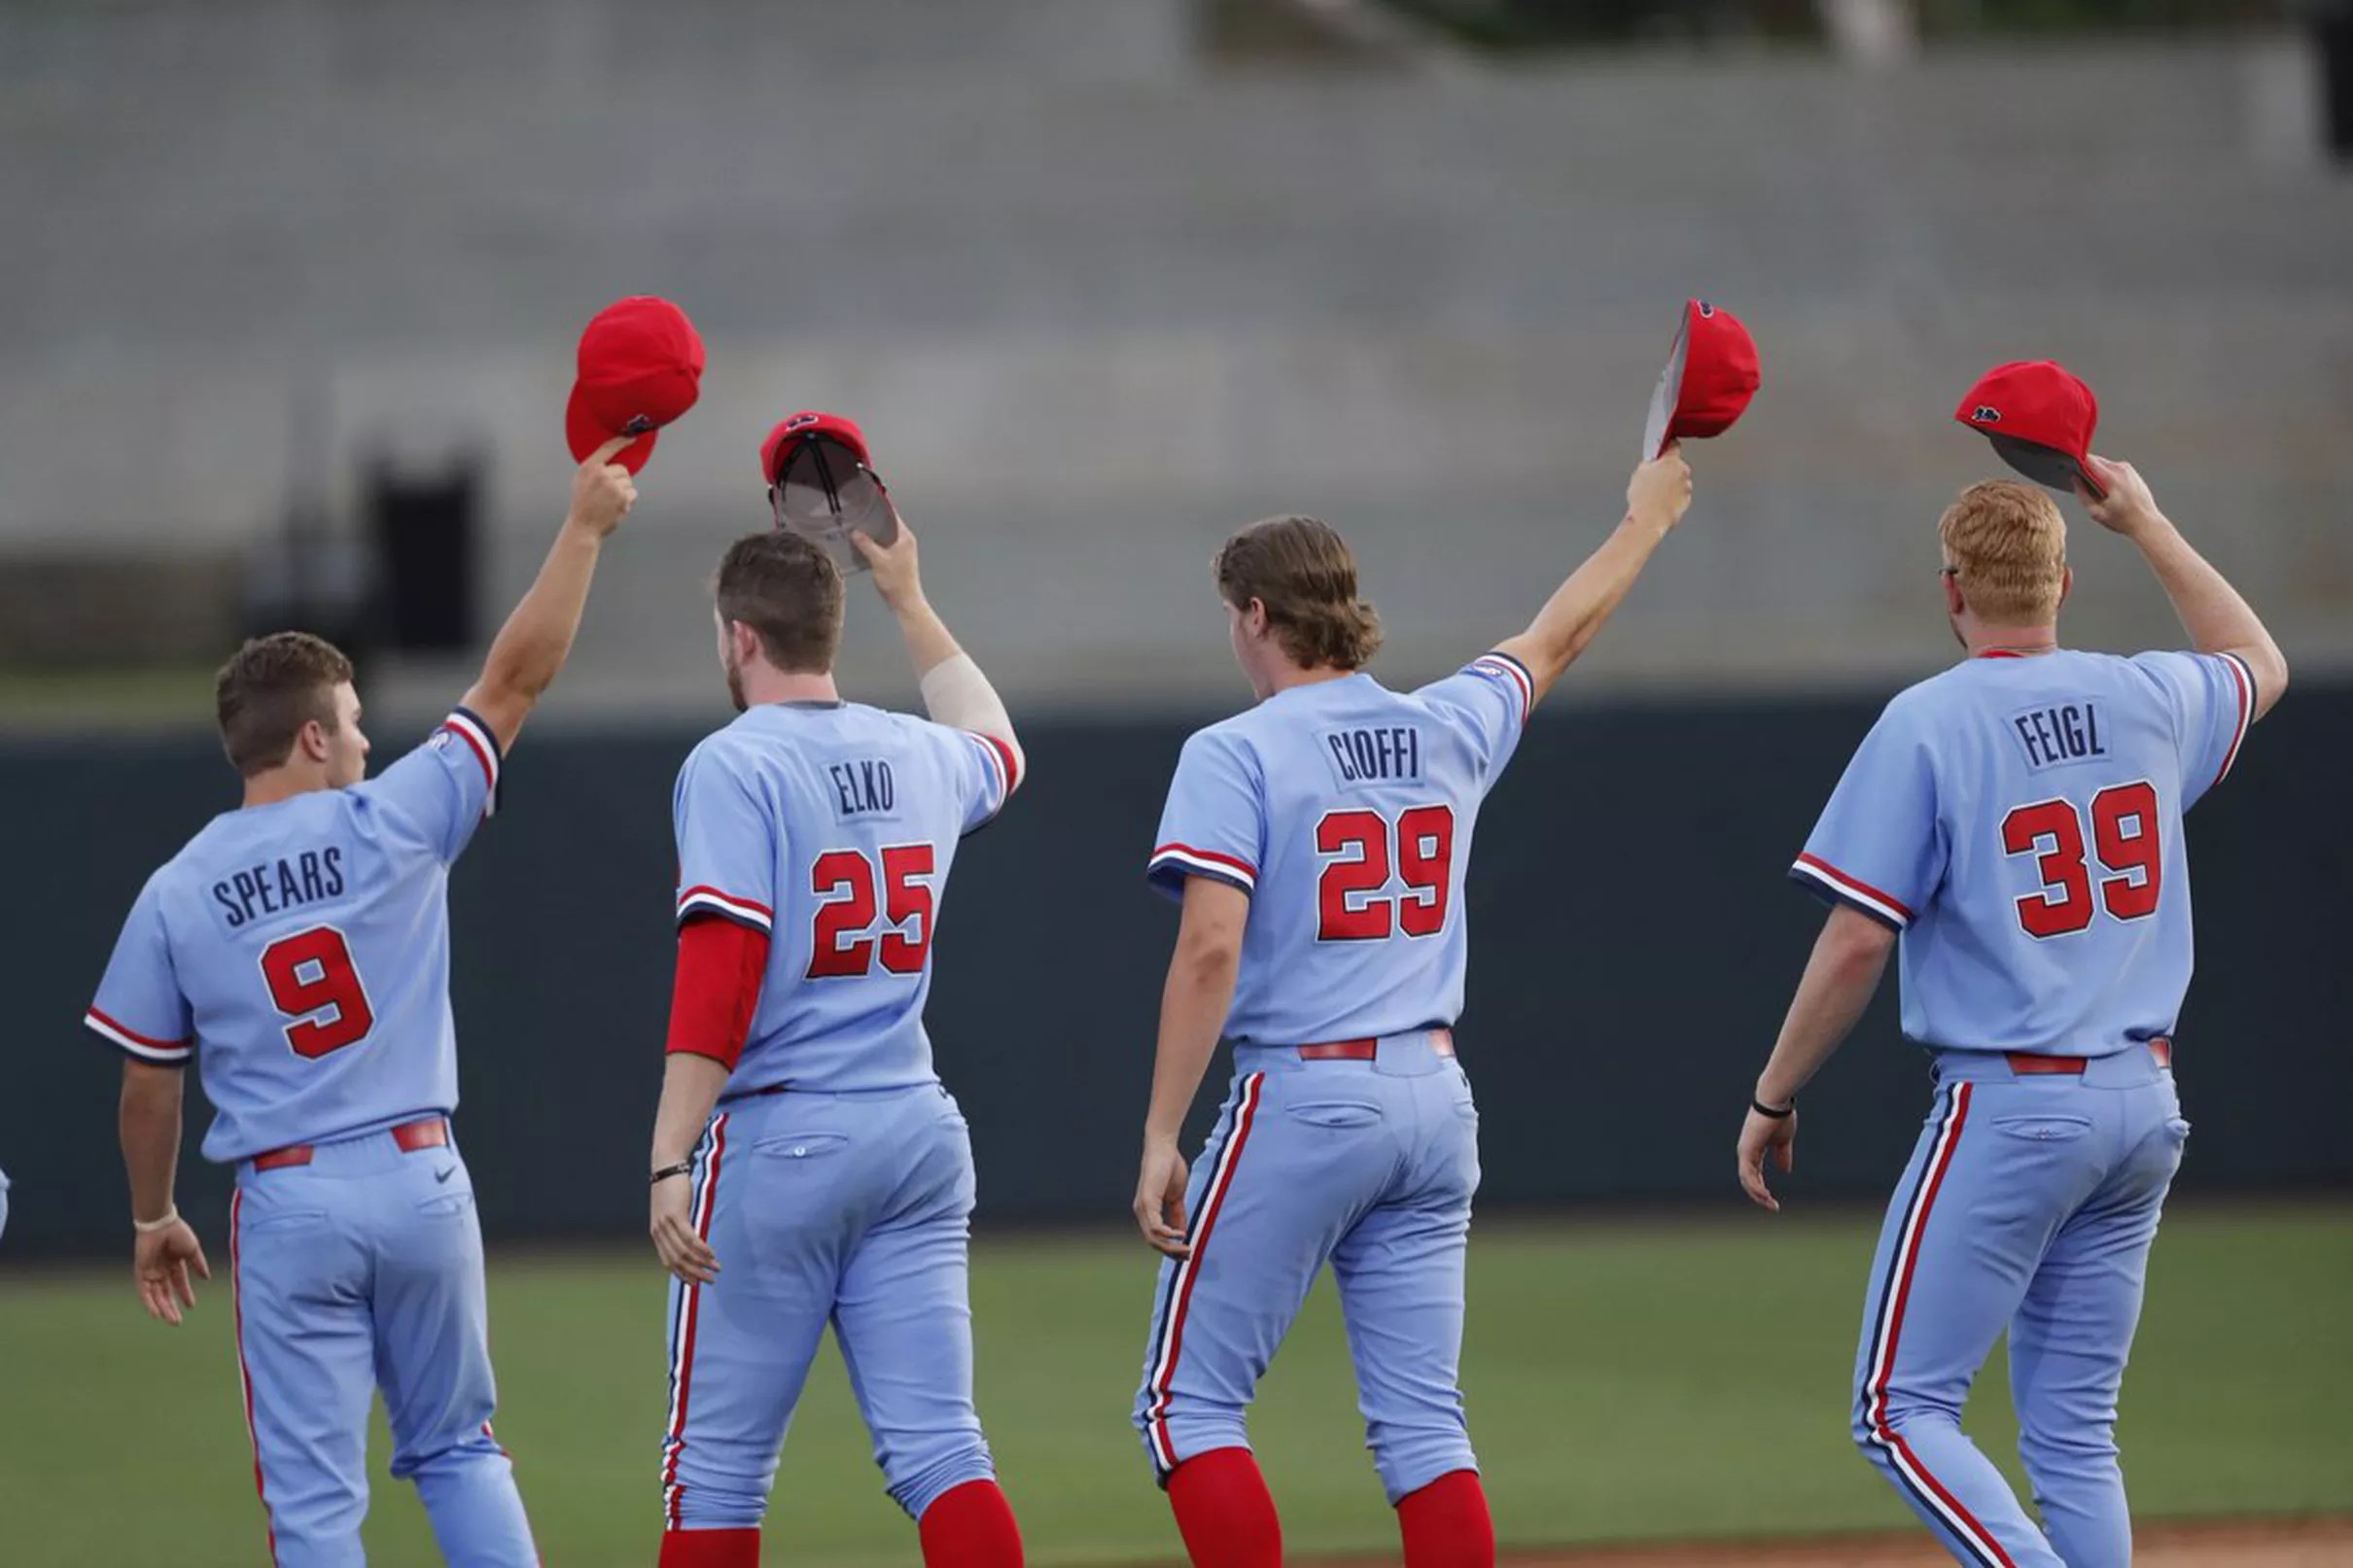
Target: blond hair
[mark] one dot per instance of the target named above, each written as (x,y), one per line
(1303,571)
(2008,546)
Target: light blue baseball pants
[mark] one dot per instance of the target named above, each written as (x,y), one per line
(852,1209)
(1370,1165)
(359,1270)
(2029,1205)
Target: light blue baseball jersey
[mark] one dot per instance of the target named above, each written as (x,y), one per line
(2018,819)
(1344,810)
(831,826)
(300,952)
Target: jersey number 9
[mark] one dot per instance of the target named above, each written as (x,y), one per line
(2124,837)
(1351,900)
(312,980)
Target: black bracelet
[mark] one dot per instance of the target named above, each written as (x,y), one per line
(1762,1109)
(684,1168)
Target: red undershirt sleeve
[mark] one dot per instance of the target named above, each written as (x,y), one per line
(720,964)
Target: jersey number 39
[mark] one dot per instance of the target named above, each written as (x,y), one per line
(1362,849)
(312,980)
(2124,837)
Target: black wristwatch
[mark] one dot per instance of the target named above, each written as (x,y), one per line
(684,1168)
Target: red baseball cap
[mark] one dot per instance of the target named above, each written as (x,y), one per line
(1710,376)
(2040,418)
(810,425)
(641,366)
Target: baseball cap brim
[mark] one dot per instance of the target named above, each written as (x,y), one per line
(825,491)
(585,433)
(1668,393)
(2044,464)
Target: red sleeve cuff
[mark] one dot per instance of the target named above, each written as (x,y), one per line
(720,965)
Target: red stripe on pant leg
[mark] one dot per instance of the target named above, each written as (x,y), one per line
(1244,1117)
(236,1298)
(1984,1538)
(1907,1462)
(690,1315)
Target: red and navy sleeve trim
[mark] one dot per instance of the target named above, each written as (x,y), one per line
(1172,862)
(704,900)
(2243,681)
(1513,674)
(468,726)
(1826,881)
(144,1048)
(1006,769)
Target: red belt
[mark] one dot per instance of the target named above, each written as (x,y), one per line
(426,1132)
(2027,1064)
(1441,1041)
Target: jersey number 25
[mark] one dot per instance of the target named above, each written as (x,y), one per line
(845,880)
(1351,900)
(2123,836)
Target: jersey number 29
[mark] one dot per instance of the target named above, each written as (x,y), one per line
(1352,903)
(845,880)
(2124,837)
(312,980)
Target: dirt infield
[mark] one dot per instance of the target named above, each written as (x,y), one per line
(2298,1544)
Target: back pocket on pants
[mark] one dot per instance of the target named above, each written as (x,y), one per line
(1335,1113)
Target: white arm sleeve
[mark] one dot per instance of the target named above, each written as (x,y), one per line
(955,693)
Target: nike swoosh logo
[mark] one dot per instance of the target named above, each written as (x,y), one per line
(446,1173)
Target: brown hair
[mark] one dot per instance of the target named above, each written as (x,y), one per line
(1303,571)
(2009,545)
(269,689)
(789,591)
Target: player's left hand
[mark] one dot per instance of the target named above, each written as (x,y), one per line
(160,1261)
(1760,1135)
(1160,1197)
(896,575)
(680,1248)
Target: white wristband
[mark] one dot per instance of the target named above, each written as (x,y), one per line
(955,693)
(171,1217)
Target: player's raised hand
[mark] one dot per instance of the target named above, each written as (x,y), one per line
(161,1261)
(602,490)
(1659,492)
(897,576)
(1763,1135)
(2128,504)
(1160,1197)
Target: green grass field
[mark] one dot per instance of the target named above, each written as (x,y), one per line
(1626,1380)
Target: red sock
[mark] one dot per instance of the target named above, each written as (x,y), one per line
(971,1526)
(711,1548)
(1446,1525)
(1224,1510)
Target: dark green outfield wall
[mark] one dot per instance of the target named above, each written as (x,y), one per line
(1634,942)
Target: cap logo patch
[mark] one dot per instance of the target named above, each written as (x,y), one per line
(637,425)
(1706,309)
(1985,414)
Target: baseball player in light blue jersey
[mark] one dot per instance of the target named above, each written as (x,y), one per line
(298,952)
(2014,825)
(1317,842)
(807,1165)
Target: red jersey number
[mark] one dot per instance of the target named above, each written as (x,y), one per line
(851,885)
(1362,849)
(2122,838)
(312,980)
